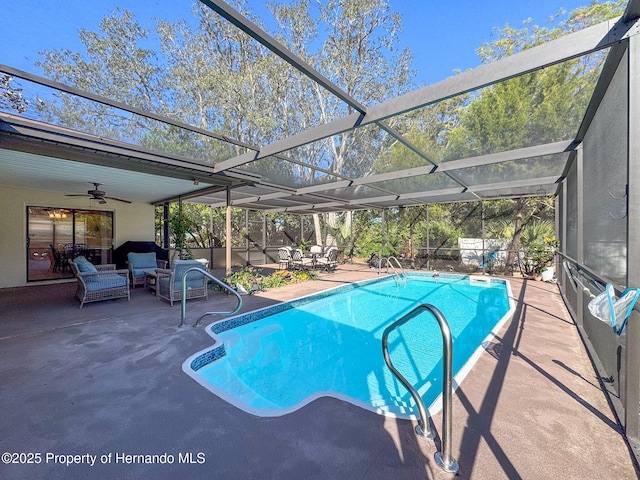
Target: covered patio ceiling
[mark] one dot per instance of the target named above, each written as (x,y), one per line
(282,175)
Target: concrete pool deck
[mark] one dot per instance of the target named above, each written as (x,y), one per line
(106,380)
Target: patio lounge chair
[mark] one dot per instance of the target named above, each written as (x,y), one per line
(99,282)
(169,281)
(139,262)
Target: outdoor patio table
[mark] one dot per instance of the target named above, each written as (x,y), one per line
(312,255)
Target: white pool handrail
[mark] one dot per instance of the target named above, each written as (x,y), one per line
(388,264)
(183,312)
(444,459)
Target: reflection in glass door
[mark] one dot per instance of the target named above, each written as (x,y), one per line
(48,230)
(54,235)
(93,235)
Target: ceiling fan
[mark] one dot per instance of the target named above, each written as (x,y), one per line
(97,194)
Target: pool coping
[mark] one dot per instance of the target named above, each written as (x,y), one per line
(209,355)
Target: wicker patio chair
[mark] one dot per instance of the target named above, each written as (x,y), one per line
(169,281)
(139,262)
(99,282)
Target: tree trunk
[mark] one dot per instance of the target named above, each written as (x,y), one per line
(316,227)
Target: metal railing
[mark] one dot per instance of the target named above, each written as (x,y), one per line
(593,278)
(583,269)
(444,459)
(183,311)
(388,264)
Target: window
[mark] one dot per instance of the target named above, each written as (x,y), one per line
(54,235)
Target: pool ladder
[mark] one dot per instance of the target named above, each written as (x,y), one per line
(183,311)
(400,278)
(443,459)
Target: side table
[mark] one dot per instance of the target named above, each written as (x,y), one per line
(150,279)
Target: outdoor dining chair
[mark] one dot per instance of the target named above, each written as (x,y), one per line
(59,260)
(329,262)
(284,257)
(299,261)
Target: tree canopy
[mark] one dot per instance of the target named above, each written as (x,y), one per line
(210,74)
(11,97)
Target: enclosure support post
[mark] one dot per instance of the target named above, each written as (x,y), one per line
(211,235)
(351,239)
(383,239)
(183,240)
(264,238)
(632,380)
(227,256)
(484,251)
(428,253)
(560,272)
(165,226)
(247,240)
(580,224)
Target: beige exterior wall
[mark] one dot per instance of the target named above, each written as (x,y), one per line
(131,222)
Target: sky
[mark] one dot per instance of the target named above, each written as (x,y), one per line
(443,35)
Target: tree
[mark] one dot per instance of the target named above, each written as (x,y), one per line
(11,97)
(359,52)
(211,74)
(532,109)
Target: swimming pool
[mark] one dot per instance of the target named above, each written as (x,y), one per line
(273,361)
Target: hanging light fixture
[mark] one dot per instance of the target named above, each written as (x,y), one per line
(57,214)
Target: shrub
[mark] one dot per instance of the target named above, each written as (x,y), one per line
(539,255)
(253,280)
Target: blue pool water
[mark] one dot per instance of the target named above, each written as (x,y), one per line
(330,345)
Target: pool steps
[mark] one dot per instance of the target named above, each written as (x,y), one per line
(479,281)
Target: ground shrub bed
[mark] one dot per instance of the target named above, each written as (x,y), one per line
(251,280)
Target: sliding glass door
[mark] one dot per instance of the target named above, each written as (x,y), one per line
(93,235)
(54,235)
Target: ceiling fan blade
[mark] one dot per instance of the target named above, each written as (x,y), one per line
(96,194)
(118,199)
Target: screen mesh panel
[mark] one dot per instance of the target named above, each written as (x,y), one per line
(571,245)
(545,166)
(419,183)
(280,171)
(605,224)
(605,180)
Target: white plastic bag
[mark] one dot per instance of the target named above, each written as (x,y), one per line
(613,310)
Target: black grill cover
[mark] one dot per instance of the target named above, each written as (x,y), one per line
(120,253)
